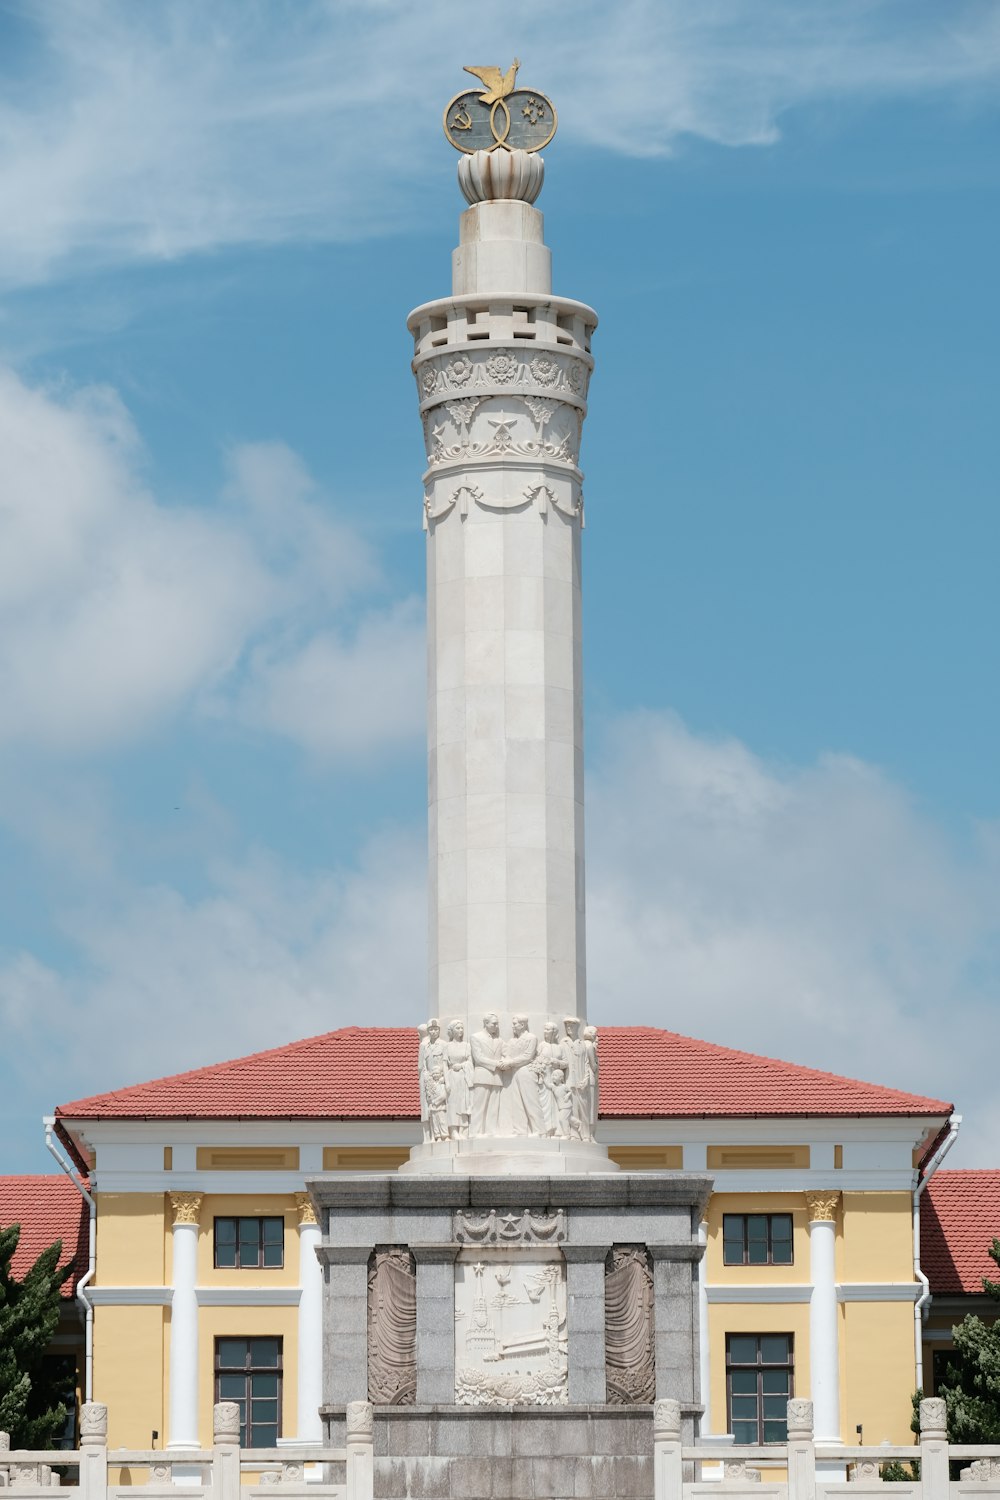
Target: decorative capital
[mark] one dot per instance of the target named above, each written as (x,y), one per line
(306,1209)
(822,1206)
(186,1207)
(934,1418)
(800,1418)
(94,1421)
(360,1419)
(667,1421)
(226,1422)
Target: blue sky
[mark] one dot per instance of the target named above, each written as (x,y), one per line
(211,565)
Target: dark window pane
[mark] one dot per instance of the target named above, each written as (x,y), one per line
(745,1432)
(781,1253)
(265,1436)
(757,1253)
(732,1240)
(744,1382)
(742,1349)
(263,1411)
(274,1231)
(232,1387)
(273,1255)
(774,1407)
(745,1406)
(757,1227)
(775,1432)
(781,1226)
(266,1351)
(232,1353)
(249,1242)
(774,1382)
(264,1385)
(225,1256)
(774,1348)
(225,1231)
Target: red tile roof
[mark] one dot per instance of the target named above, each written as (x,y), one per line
(47,1209)
(368,1073)
(959,1220)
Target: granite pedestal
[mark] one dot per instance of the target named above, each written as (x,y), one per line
(517,1267)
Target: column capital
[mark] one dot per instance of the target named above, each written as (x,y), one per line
(186,1207)
(822,1206)
(306,1210)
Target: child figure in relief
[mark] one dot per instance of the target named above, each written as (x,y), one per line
(563,1095)
(437,1101)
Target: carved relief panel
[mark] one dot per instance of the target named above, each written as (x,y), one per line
(510,1328)
(628,1326)
(392,1328)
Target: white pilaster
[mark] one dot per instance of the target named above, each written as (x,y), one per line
(310,1369)
(183,1413)
(824,1356)
(704,1365)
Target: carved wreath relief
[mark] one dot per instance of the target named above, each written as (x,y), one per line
(494,1086)
(628,1326)
(510,1329)
(392,1328)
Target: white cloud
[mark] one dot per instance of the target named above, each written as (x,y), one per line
(150,132)
(812,913)
(118,610)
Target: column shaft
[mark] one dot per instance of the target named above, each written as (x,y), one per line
(310,1329)
(824,1360)
(183,1405)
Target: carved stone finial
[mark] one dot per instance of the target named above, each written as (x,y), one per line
(306,1209)
(186,1207)
(360,1419)
(934,1418)
(822,1206)
(488,176)
(667,1421)
(226,1421)
(94,1421)
(800,1418)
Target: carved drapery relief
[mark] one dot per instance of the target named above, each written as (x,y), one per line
(822,1206)
(521,428)
(510,1330)
(496,1228)
(392,1328)
(535,493)
(628,1326)
(186,1207)
(549,1087)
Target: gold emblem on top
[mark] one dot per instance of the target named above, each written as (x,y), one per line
(499,114)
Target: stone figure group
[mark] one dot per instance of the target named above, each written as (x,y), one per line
(550,1086)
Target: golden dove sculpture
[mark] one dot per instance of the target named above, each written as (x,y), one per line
(498,85)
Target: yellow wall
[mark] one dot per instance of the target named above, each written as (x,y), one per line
(720,1274)
(877,1370)
(130,1239)
(875,1237)
(129,1366)
(246,1322)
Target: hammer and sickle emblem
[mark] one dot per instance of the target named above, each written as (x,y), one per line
(461,120)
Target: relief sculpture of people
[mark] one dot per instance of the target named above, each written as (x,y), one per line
(491,1085)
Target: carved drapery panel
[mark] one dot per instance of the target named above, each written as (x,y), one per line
(628,1326)
(392,1328)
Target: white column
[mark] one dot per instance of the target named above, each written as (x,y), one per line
(824,1357)
(183,1415)
(502,370)
(310,1366)
(704,1365)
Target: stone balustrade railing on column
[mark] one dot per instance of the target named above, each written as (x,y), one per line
(305,1471)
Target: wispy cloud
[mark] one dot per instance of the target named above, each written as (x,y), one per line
(138,132)
(809,912)
(119,611)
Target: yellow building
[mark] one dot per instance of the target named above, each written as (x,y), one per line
(206,1283)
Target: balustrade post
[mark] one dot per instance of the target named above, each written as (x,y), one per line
(4,1448)
(801,1451)
(934,1448)
(668,1469)
(360,1450)
(93,1451)
(225,1451)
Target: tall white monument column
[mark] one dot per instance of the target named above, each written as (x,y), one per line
(310,1328)
(502,370)
(824,1357)
(182,1431)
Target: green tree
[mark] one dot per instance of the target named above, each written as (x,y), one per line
(30,1406)
(971,1387)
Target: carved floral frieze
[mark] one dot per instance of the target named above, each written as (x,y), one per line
(548,431)
(498,369)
